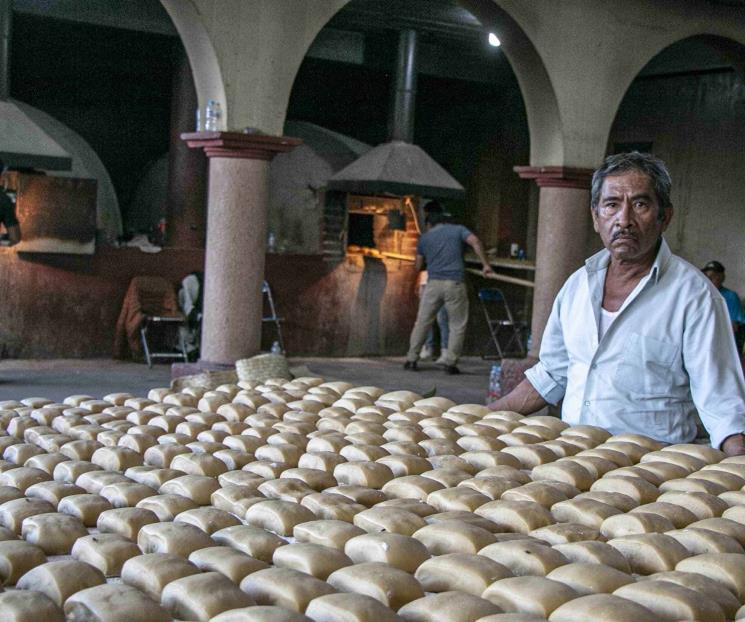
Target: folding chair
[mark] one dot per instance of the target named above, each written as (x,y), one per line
(168,332)
(506,333)
(272,317)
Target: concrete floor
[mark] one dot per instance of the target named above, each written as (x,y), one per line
(56,379)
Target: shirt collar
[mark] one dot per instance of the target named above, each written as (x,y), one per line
(600,260)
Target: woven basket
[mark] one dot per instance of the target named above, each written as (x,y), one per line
(205,380)
(263,366)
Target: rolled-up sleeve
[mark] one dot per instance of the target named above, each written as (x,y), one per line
(713,366)
(549,375)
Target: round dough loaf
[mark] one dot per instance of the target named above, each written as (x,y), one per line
(460,572)
(605,607)
(202,596)
(105,551)
(389,585)
(17,558)
(58,580)
(403,552)
(590,578)
(346,608)
(532,595)
(152,572)
(113,603)
(284,587)
(448,607)
(23,606)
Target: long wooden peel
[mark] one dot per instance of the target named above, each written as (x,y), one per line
(502,277)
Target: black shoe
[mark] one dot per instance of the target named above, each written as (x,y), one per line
(411,366)
(451,370)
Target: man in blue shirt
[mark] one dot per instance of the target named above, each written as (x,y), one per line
(441,249)
(638,339)
(715,271)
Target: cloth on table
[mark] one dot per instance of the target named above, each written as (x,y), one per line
(146,296)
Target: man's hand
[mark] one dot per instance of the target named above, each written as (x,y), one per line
(734,445)
(487,270)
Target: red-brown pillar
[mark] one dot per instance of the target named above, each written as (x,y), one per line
(186,209)
(236,241)
(563,222)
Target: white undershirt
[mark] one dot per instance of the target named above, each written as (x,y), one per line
(606,319)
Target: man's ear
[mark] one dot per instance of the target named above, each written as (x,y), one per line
(594,219)
(667,216)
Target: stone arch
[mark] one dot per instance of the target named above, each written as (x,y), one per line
(544,123)
(730,44)
(544,119)
(205,67)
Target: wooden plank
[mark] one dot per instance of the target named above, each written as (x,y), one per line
(503,277)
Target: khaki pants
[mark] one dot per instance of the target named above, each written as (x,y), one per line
(454,297)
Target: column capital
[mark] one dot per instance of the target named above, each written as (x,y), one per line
(240,145)
(556,176)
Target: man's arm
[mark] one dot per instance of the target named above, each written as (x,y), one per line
(419,263)
(716,380)
(523,399)
(478,248)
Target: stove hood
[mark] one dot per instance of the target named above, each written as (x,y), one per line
(23,144)
(399,167)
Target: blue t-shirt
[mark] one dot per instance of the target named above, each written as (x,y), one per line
(442,249)
(734,306)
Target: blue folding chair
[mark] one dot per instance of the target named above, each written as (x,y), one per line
(506,333)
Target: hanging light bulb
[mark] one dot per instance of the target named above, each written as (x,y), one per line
(494,40)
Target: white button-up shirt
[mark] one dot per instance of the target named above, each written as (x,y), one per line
(669,352)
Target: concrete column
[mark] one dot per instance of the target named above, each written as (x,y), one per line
(563,214)
(187,169)
(236,241)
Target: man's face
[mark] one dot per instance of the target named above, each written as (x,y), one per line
(627,216)
(715,277)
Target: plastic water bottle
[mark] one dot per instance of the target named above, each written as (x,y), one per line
(213,116)
(276,348)
(495,383)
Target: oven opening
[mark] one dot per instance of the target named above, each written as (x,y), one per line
(361,231)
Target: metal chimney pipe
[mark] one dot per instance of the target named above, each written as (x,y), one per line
(6,27)
(404,96)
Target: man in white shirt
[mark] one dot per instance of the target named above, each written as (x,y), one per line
(638,339)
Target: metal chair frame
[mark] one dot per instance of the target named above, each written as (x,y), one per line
(272,317)
(505,325)
(153,320)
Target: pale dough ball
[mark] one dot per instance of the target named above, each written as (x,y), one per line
(105,551)
(151,573)
(202,596)
(606,607)
(61,579)
(17,558)
(229,562)
(253,541)
(460,571)
(54,533)
(23,606)
(284,587)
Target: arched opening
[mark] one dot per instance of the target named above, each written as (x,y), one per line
(687,107)
(470,116)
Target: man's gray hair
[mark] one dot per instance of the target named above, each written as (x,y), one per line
(621,163)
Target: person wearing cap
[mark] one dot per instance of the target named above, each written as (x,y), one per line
(715,271)
(441,250)
(638,340)
(8,219)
